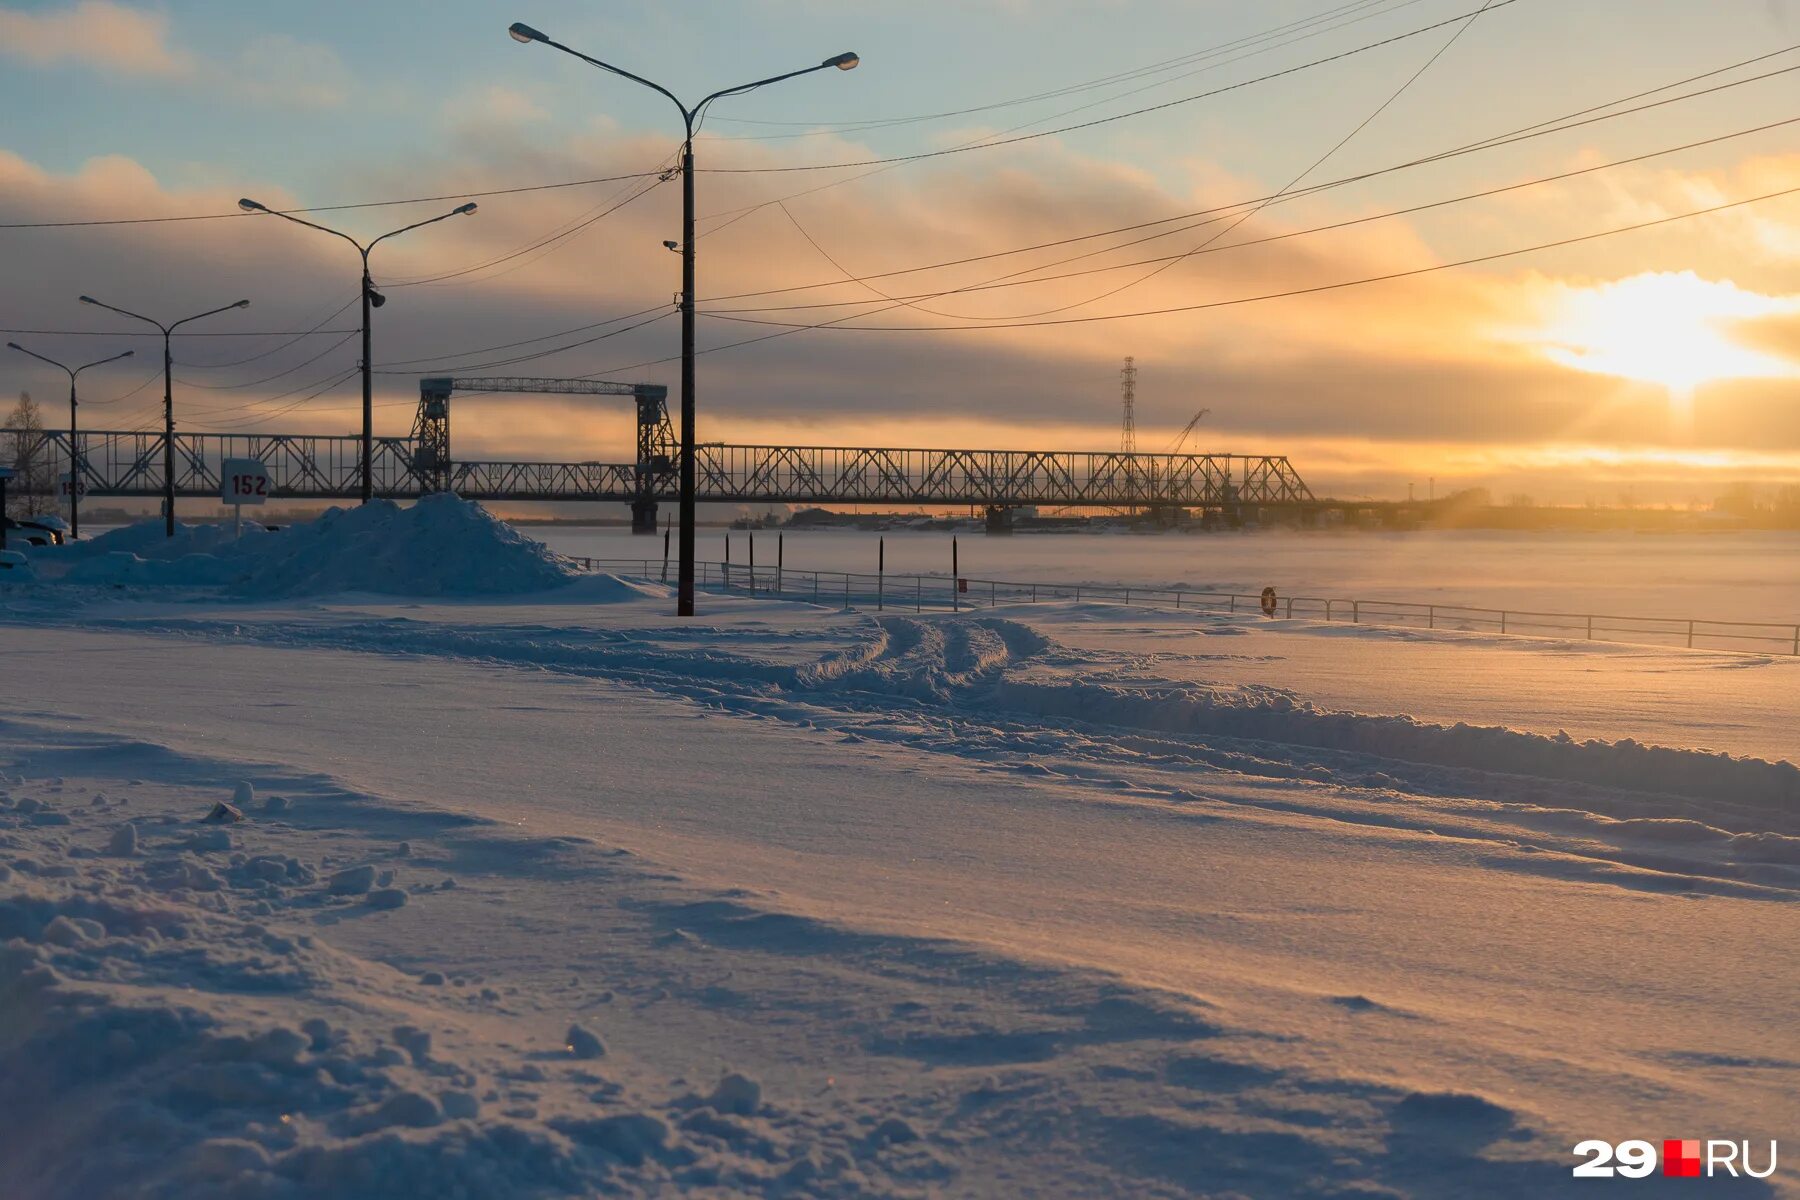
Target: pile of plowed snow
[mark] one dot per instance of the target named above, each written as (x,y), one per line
(441,546)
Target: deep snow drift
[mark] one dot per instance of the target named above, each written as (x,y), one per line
(440,546)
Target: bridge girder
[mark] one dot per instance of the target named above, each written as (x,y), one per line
(327,468)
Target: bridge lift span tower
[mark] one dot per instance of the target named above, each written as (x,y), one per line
(656,444)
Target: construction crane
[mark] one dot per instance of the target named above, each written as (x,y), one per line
(1187,431)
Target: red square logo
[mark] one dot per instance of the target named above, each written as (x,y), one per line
(1681,1158)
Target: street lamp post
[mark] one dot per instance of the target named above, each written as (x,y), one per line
(690,117)
(371,299)
(74,452)
(168,396)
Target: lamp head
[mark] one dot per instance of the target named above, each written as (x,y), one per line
(128,354)
(14,346)
(242,304)
(467,208)
(88,300)
(670,245)
(844,62)
(251,206)
(376,299)
(522,32)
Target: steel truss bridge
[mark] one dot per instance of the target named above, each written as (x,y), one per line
(307,466)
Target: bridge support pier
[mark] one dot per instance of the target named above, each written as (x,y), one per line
(643,514)
(1165,516)
(999,519)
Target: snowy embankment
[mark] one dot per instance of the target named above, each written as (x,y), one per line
(441,546)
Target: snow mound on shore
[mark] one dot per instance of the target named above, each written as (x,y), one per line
(441,546)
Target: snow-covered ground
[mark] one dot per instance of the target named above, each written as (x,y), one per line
(549,892)
(1750,576)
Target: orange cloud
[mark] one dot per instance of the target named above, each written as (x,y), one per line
(1372,381)
(96,33)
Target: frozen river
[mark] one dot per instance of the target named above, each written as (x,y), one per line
(1722,576)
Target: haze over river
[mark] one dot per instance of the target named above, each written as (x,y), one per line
(1718,576)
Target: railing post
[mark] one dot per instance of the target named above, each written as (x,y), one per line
(846,590)
(1503,620)
(993,594)
(1290,608)
(1797,641)
(1177,599)
(815,587)
(1356,612)
(1690,644)
(1034,594)
(918,594)
(1590,624)
(1234,602)
(1431,616)
(1128,597)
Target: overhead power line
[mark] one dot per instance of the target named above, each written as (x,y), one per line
(440,358)
(507,362)
(1279,237)
(1306,291)
(737,214)
(577,183)
(476,195)
(264,418)
(1136,112)
(540,244)
(1498,141)
(325,208)
(317,325)
(1286,189)
(295,333)
(1166,264)
(232,387)
(857,125)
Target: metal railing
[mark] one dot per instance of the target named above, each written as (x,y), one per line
(920,592)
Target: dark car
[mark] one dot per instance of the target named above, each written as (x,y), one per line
(16,532)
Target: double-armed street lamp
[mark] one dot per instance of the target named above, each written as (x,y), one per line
(74,451)
(690,117)
(168,395)
(371,299)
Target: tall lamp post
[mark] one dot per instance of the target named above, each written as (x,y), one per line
(690,116)
(74,452)
(168,395)
(371,299)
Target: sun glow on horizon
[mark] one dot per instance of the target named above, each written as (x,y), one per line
(1669,329)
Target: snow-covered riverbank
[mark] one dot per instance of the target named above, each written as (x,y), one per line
(1062,900)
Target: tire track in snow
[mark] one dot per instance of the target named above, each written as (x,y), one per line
(996,691)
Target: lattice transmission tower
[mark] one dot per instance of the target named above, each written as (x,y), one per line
(1128,397)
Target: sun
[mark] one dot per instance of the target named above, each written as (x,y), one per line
(1670,329)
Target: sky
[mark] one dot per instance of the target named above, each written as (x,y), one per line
(984,295)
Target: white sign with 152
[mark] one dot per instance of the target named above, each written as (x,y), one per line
(243,481)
